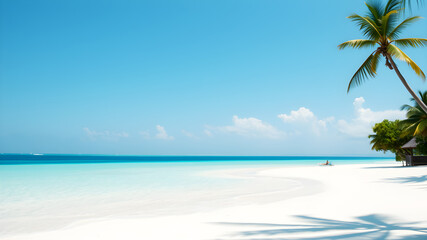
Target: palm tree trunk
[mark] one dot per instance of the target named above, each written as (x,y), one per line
(418,100)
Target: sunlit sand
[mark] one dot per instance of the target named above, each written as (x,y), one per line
(360,201)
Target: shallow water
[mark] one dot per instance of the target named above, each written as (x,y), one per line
(35,197)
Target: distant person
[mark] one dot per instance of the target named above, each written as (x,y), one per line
(327,163)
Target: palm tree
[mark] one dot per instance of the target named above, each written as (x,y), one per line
(380,27)
(416,122)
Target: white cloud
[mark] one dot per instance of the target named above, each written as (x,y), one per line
(162,134)
(361,125)
(105,134)
(304,116)
(252,127)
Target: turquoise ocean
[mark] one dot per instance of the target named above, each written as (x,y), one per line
(48,190)
(28,176)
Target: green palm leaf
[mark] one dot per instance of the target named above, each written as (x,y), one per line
(368,69)
(374,8)
(409,130)
(357,43)
(421,127)
(392,5)
(387,22)
(416,119)
(411,42)
(406,107)
(368,27)
(396,52)
(397,30)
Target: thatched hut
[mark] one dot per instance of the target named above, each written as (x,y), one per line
(412,160)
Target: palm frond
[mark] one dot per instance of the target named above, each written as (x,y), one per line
(409,129)
(388,20)
(411,42)
(368,69)
(406,107)
(415,114)
(421,128)
(415,111)
(375,10)
(375,62)
(392,5)
(423,96)
(397,30)
(369,28)
(357,43)
(396,52)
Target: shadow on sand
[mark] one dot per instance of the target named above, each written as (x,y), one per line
(419,179)
(384,167)
(364,227)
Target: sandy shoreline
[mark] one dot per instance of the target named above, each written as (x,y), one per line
(361,201)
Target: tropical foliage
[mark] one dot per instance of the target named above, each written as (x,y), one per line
(415,123)
(421,148)
(388,137)
(382,30)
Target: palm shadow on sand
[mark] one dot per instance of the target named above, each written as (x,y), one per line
(372,226)
(383,167)
(419,181)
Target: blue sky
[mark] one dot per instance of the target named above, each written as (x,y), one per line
(191,77)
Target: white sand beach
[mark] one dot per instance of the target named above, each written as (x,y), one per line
(359,201)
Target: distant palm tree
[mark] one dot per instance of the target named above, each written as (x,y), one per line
(380,27)
(416,122)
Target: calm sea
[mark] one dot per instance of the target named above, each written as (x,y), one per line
(41,192)
(24,177)
(17,159)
